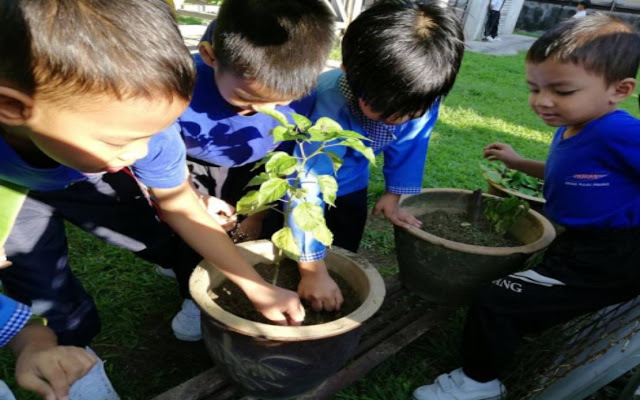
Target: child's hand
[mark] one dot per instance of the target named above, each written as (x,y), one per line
(317,287)
(4,263)
(388,205)
(502,152)
(280,306)
(44,367)
(221,211)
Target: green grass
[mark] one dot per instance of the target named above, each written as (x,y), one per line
(488,103)
(186,20)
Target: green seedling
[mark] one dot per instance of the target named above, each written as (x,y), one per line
(512,179)
(503,213)
(282,180)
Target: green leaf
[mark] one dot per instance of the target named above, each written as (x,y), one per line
(308,216)
(258,179)
(248,202)
(351,135)
(281,163)
(323,235)
(272,190)
(12,197)
(327,125)
(284,240)
(259,209)
(281,133)
(329,188)
(337,161)
(360,147)
(301,121)
(277,115)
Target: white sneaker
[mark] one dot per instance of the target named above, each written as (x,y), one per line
(5,392)
(488,39)
(186,323)
(95,385)
(164,272)
(457,386)
(497,39)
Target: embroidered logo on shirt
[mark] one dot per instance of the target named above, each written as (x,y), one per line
(592,179)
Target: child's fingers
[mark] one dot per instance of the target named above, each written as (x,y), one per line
(76,363)
(37,385)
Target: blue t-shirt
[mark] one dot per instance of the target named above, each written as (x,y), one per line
(164,166)
(215,133)
(592,180)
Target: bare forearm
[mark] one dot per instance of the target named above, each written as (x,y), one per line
(183,213)
(531,167)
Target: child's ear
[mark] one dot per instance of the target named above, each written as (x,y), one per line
(623,89)
(15,106)
(206,52)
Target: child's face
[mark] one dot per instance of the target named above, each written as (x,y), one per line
(376,116)
(106,135)
(247,95)
(565,94)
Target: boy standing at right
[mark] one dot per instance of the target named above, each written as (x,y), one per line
(578,72)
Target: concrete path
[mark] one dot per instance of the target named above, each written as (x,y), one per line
(509,45)
(192,35)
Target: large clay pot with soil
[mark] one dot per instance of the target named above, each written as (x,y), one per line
(282,362)
(448,272)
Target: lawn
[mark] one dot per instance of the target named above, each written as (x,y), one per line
(488,103)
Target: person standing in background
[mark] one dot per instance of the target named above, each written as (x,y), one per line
(493,19)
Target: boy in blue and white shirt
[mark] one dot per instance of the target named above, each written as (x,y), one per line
(399,60)
(578,72)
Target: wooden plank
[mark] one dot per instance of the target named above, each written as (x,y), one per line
(362,365)
(208,382)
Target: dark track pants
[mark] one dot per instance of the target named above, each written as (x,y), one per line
(581,272)
(491,27)
(112,207)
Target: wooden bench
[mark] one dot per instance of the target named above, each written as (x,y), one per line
(401,320)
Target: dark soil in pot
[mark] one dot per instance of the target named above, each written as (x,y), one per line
(456,227)
(233,300)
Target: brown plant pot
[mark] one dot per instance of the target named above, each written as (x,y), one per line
(535,203)
(448,272)
(282,362)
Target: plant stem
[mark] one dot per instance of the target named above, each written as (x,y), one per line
(475,206)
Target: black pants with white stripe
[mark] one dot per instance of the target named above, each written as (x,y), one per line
(581,272)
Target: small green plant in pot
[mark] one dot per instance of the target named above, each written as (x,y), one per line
(506,182)
(277,362)
(284,179)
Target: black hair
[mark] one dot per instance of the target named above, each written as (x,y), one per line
(60,49)
(400,56)
(585,4)
(281,44)
(599,43)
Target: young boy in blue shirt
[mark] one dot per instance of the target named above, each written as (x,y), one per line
(80,102)
(578,72)
(399,59)
(256,54)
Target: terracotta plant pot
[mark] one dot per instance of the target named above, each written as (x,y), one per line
(281,362)
(448,272)
(536,203)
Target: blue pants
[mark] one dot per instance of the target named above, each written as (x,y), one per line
(112,207)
